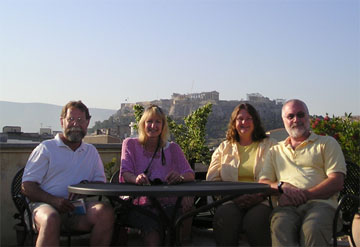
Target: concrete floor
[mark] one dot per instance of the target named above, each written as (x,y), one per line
(200,237)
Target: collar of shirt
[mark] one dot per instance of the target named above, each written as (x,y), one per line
(60,143)
(312,138)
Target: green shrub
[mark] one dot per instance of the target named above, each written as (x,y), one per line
(110,168)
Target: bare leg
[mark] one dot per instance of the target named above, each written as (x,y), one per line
(99,219)
(47,221)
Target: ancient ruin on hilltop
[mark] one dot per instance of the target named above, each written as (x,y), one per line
(180,105)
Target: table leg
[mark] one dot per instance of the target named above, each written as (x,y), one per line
(195,212)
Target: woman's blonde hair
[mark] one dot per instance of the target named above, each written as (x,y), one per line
(149,112)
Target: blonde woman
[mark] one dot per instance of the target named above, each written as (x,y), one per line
(151,159)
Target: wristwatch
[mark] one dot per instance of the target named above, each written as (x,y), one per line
(182,178)
(279,187)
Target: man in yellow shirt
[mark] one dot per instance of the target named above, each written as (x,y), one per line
(307,170)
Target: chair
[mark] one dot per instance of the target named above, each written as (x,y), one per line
(22,206)
(348,203)
(115,177)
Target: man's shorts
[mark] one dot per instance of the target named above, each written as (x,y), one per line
(68,220)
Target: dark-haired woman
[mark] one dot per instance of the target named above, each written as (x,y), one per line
(150,159)
(240,158)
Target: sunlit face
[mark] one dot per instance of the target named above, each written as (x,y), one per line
(153,126)
(296,119)
(74,125)
(244,123)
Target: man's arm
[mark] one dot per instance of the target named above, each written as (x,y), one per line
(33,191)
(291,196)
(331,185)
(295,196)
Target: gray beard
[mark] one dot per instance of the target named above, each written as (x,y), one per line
(296,132)
(74,135)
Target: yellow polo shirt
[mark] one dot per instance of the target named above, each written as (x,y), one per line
(307,165)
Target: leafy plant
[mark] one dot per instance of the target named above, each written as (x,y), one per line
(191,135)
(345,130)
(138,111)
(110,168)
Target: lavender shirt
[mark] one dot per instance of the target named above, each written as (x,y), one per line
(135,159)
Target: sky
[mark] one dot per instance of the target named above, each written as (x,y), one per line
(109,52)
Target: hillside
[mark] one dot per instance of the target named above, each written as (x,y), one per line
(180,106)
(32,116)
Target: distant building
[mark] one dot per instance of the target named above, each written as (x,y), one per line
(55,132)
(12,129)
(214,95)
(3,137)
(101,139)
(45,131)
(133,131)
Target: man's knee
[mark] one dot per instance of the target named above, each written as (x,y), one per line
(47,219)
(318,222)
(102,214)
(315,232)
(285,220)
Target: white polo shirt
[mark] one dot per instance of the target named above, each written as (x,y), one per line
(55,166)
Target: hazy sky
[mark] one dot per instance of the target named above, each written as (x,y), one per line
(107,52)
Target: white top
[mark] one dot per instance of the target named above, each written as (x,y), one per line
(55,166)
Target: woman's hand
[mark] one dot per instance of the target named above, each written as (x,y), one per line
(142,179)
(174,178)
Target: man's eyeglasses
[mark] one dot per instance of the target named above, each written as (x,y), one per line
(298,115)
(79,120)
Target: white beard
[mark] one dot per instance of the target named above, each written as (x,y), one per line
(298,130)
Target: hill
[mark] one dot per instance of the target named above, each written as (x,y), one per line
(181,105)
(32,116)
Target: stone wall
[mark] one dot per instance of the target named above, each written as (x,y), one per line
(12,158)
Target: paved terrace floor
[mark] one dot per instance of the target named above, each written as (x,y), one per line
(200,237)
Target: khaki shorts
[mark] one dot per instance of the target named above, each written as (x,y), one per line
(68,220)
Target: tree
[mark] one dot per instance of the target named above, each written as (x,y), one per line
(191,135)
